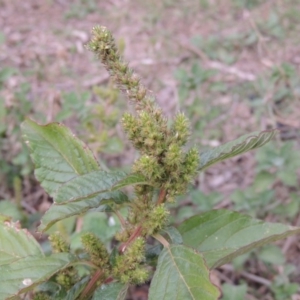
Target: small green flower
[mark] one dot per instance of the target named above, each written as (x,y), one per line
(128,268)
(163,161)
(41,296)
(180,129)
(149,167)
(58,243)
(156,220)
(191,162)
(173,156)
(95,248)
(67,277)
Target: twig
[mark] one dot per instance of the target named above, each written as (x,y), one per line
(289,122)
(252,277)
(256,278)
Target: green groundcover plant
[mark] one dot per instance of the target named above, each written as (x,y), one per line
(177,261)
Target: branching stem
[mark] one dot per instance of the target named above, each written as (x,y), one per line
(92,285)
(134,235)
(121,219)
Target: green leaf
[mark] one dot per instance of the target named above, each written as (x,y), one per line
(241,145)
(26,273)
(221,235)
(75,291)
(83,193)
(57,154)
(182,274)
(16,243)
(87,186)
(23,265)
(58,212)
(112,291)
(174,235)
(131,179)
(152,254)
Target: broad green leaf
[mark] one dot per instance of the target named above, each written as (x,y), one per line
(221,235)
(9,208)
(16,243)
(58,212)
(51,287)
(241,145)
(23,264)
(58,155)
(174,235)
(181,273)
(152,254)
(24,274)
(65,227)
(131,179)
(112,291)
(75,291)
(87,186)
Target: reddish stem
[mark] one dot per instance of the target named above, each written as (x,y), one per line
(91,285)
(134,235)
(108,280)
(161,196)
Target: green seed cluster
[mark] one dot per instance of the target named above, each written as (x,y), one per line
(156,220)
(103,44)
(163,161)
(67,277)
(128,268)
(41,296)
(58,243)
(96,250)
(152,217)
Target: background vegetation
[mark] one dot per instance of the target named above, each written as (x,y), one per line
(232,66)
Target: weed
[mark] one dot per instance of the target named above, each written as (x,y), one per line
(70,174)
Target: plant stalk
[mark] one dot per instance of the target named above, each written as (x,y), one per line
(91,287)
(134,235)
(161,196)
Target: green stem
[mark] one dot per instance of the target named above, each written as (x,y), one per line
(161,239)
(121,219)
